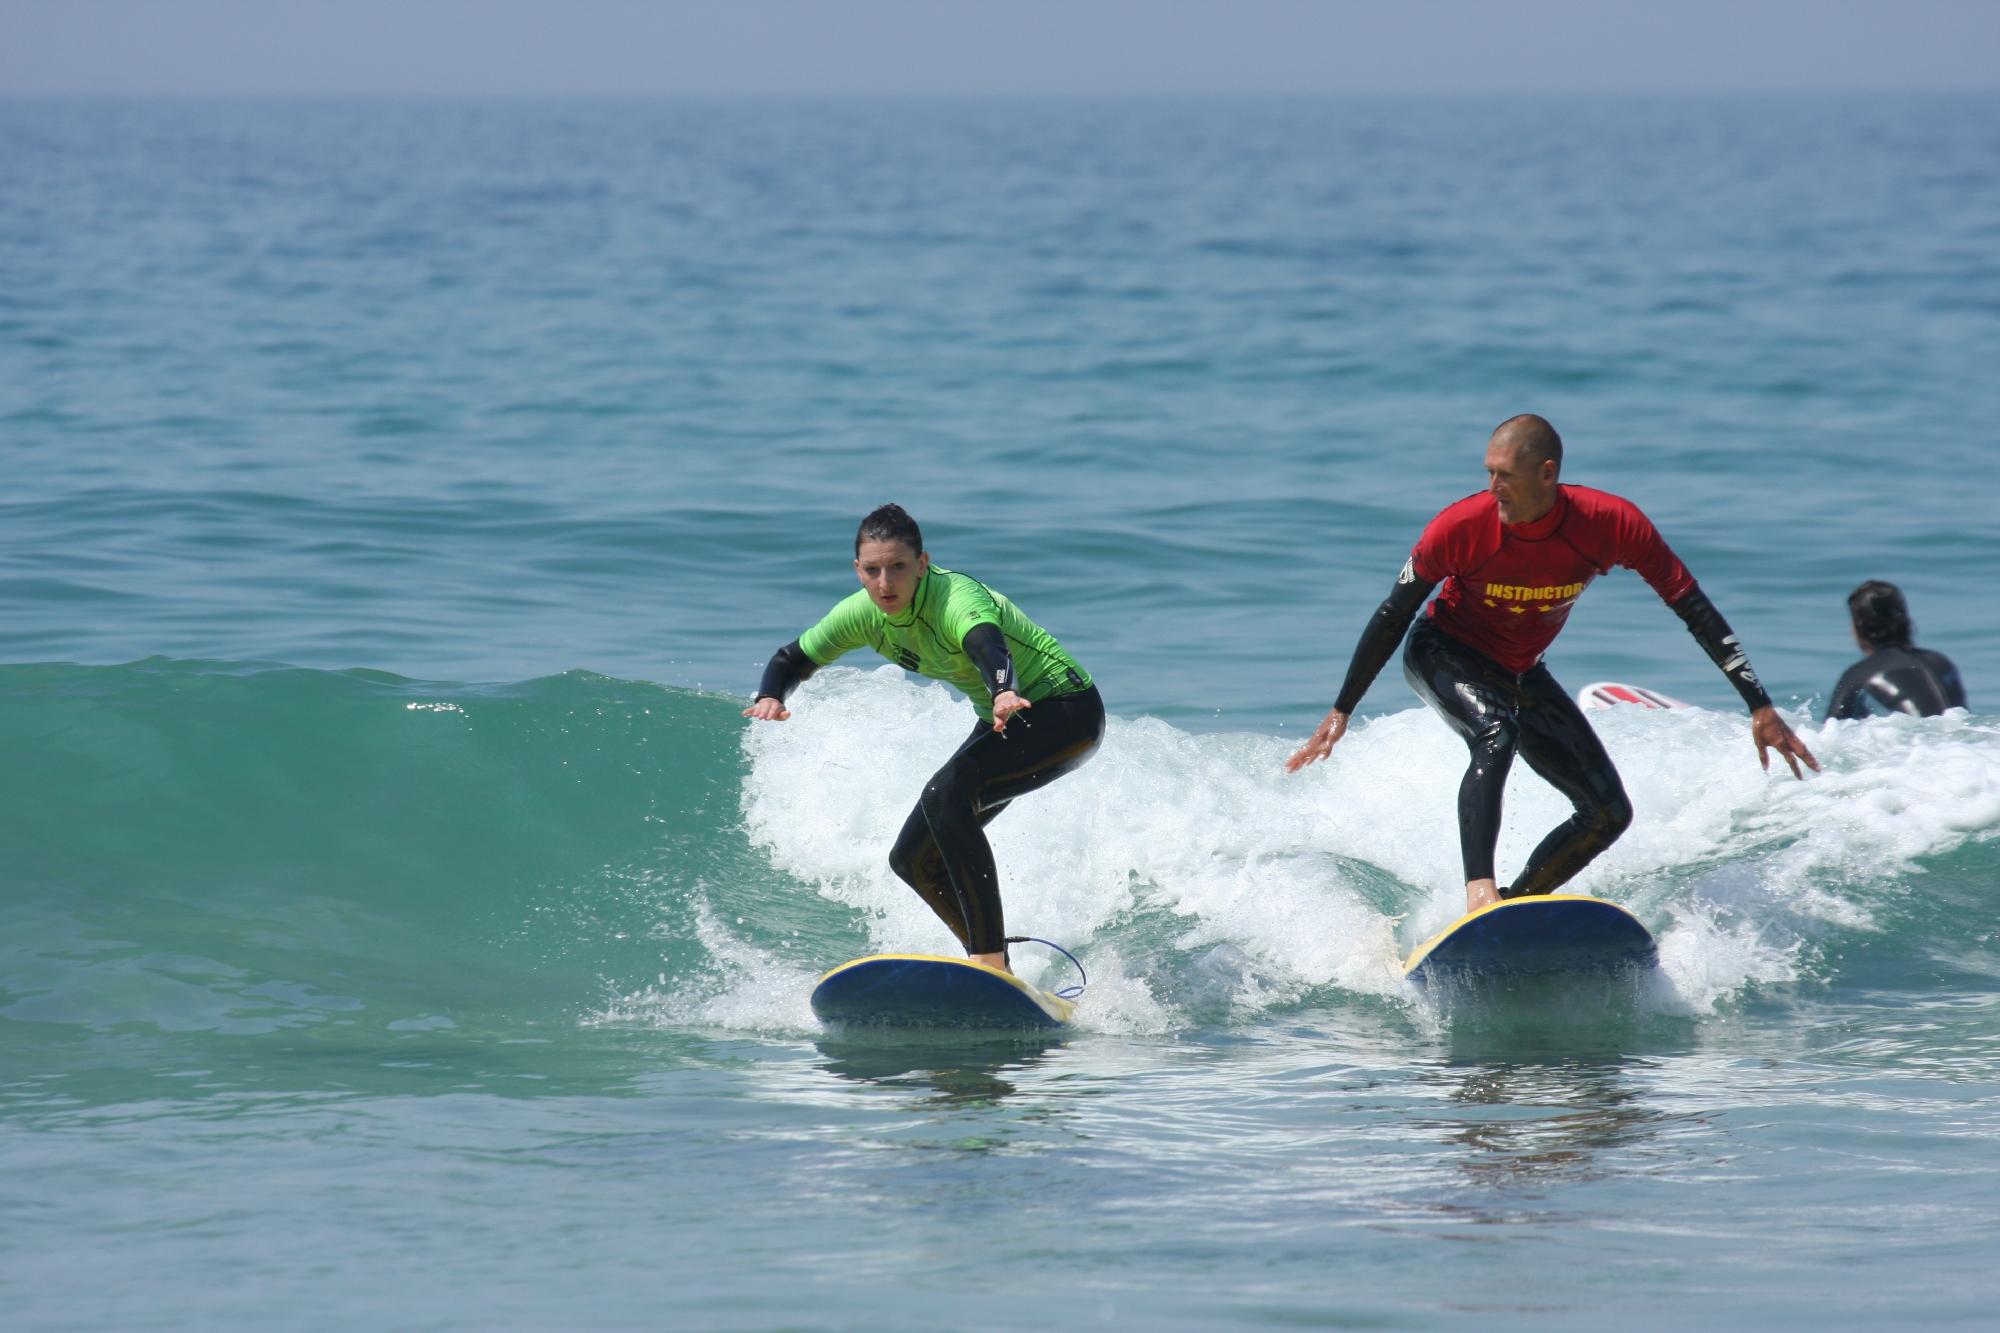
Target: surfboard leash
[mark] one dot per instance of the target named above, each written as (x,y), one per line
(1083,978)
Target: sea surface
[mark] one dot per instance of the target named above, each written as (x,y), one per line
(401,928)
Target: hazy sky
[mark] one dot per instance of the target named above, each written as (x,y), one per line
(665,47)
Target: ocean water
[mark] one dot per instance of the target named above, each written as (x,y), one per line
(401,928)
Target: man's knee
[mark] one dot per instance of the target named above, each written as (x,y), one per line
(1611,816)
(1494,736)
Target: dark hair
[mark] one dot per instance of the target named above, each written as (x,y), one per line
(1534,436)
(888,523)
(1880,614)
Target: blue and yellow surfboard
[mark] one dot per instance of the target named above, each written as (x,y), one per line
(1541,936)
(914,990)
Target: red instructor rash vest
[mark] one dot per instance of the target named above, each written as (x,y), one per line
(1507,588)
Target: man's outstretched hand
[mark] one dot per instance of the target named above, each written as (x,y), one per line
(1321,744)
(1771,733)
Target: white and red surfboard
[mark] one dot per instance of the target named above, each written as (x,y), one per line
(1610,694)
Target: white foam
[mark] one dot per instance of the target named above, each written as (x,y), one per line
(743,989)
(1175,862)
(1704,959)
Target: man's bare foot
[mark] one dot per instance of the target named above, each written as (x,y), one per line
(994,960)
(1481,893)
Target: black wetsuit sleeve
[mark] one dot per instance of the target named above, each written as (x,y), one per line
(987,647)
(1385,629)
(1850,695)
(1947,675)
(782,674)
(1712,632)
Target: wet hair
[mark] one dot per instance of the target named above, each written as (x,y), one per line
(1536,438)
(1880,614)
(889,523)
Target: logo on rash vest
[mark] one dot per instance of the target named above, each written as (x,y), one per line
(1549,597)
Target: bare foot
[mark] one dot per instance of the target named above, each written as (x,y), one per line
(997,961)
(1481,893)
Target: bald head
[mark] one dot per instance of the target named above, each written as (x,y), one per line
(1523,458)
(1533,436)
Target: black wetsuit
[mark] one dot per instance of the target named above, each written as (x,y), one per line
(1898,679)
(1500,709)
(1497,713)
(942,851)
(958,630)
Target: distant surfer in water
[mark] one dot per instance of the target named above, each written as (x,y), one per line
(1039,715)
(1512,561)
(1896,676)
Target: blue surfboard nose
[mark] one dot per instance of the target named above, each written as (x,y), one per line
(925,991)
(1534,937)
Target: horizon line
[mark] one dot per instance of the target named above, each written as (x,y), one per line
(989,94)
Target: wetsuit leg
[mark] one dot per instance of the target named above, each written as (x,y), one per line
(1476,696)
(942,851)
(1559,744)
(919,863)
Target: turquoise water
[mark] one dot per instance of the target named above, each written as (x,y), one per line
(399,927)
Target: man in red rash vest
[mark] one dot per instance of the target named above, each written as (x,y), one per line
(1512,561)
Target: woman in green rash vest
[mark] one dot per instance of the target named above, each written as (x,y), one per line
(1039,715)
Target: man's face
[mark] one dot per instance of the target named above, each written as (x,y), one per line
(890,571)
(1525,490)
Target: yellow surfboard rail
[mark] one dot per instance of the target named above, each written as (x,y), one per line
(1422,951)
(1055,1006)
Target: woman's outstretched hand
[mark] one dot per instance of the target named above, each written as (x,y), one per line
(1005,705)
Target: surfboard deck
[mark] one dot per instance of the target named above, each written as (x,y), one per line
(1611,693)
(914,990)
(1542,936)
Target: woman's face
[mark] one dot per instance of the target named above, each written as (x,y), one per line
(890,571)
